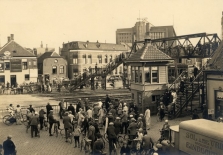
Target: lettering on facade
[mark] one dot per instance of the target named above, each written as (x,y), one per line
(16,65)
(194,143)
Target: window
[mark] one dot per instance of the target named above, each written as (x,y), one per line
(99,59)
(24,65)
(140,74)
(61,69)
(54,70)
(155,76)
(34,63)
(26,77)
(139,98)
(84,59)
(133,74)
(7,65)
(89,59)
(120,70)
(136,74)
(147,74)
(116,70)
(110,58)
(155,98)
(74,60)
(133,96)
(106,59)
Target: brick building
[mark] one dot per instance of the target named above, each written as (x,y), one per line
(17,65)
(52,66)
(90,55)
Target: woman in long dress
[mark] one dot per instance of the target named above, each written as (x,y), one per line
(147,118)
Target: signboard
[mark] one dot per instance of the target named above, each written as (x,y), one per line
(210,111)
(16,65)
(7,53)
(194,143)
(1,66)
(220,95)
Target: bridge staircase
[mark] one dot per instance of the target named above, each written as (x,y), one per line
(194,93)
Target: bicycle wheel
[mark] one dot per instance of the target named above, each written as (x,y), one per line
(120,141)
(106,137)
(6,120)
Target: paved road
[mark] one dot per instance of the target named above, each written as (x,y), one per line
(46,145)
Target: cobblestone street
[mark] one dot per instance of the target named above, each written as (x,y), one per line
(46,145)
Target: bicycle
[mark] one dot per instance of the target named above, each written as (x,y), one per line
(9,120)
(85,144)
(120,139)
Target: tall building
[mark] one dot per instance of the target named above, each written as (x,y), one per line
(82,56)
(40,50)
(141,30)
(17,64)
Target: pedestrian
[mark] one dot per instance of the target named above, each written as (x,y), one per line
(34,123)
(162,111)
(118,125)
(147,118)
(41,118)
(71,108)
(9,146)
(51,121)
(91,134)
(107,101)
(132,129)
(195,71)
(125,108)
(124,119)
(101,116)
(48,108)
(147,142)
(111,136)
(89,113)
(61,104)
(98,145)
(77,133)
(67,124)
(78,106)
(18,114)
(31,109)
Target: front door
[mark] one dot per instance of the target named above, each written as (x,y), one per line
(13,80)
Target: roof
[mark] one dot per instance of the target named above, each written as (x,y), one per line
(48,55)
(163,28)
(16,50)
(216,62)
(41,50)
(94,46)
(149,53)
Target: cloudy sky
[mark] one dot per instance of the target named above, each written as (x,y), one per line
(58,21)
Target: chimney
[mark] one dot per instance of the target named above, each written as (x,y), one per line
(12,36)
(9,39)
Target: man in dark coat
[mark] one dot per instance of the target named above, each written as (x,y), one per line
(107,101)
(41,118)
(71,108)
(67,124)
(61,104)
(33,123)
(118,125)
(111,136)
(31,109)
(9,146)
(78,106)
(51,121)
(48,108)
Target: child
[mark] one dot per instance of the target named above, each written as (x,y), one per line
(76,134)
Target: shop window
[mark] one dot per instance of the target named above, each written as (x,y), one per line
(54,70)
(155,75)
(147,74)
(26,77)
(24,65)
(7,65)
(61,69)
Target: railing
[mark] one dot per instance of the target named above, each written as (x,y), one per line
(82,79)
(4,112)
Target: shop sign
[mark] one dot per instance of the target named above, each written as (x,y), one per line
(16,65)
(1,66)
(193,143)
(220,95)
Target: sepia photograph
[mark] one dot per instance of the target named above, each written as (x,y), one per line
(102,77)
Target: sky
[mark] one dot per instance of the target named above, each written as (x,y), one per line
(56,21)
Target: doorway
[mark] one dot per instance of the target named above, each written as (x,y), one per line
(13,80)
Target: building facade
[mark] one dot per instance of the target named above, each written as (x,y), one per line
(52,66)
(17,65)
(82,56)
(149,75)
(214,83)
(143,30)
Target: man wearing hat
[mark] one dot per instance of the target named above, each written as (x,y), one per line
(34,121)
(9,146)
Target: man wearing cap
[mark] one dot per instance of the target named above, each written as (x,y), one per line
(111,136)
(33,123)
(117,125)
(67,124)
(31,109)
(51,121)
(9,146)
(132,129)
(48,108)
